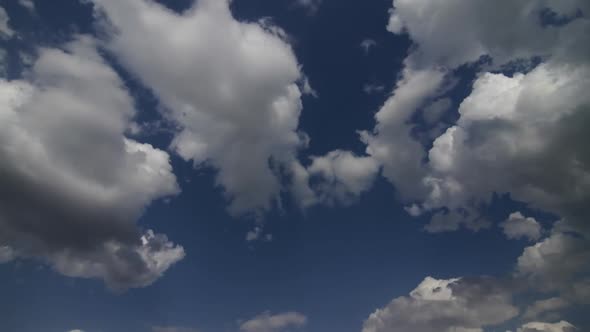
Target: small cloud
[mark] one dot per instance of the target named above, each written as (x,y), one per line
(28,4)
(311,6)
(266,322)
(367,44)
(258,234)
(518,226)
(306,87)
(371,88)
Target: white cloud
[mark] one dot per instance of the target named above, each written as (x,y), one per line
(517,134)
(523,133)
(342,176)
(5,30)
(72,184)
(390,143)
(267,322)
(453,305)
(562,326)
(455,32)
(518,226)
(231,88)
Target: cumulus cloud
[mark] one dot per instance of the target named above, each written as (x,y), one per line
(391,143)
(342,176)
(452,33)
(267,322)
(523,130)
(230,87)
(562,326)
(5,30)
(71,184)
(518,226)
(555,262)
(462,304)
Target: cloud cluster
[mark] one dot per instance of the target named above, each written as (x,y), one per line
(524,131)
(231,88)
(71,184)
(453,305)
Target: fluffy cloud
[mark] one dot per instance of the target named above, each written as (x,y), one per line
(523,131)
(230,87)
(556,262)
(267,322)
(391,143)
(455,32)
(453,305)
(342,176)
(71,184)
(525,134)
(547,327)
(518,226)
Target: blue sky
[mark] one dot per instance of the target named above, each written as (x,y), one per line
(294,165)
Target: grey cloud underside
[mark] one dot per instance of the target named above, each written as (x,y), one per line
(71,184)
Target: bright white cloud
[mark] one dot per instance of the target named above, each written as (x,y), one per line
(453,305)
(267,322)
(72,184)
(230,87)
(518,226)
(523,133)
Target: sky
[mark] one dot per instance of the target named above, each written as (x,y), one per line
(294,166)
